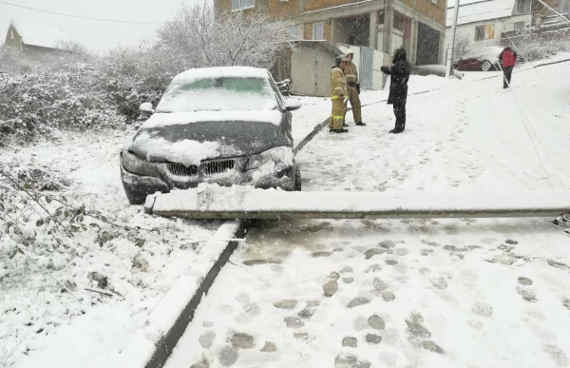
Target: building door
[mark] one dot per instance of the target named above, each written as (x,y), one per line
(366,65)
(428,45)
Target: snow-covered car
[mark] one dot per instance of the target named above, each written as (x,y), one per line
(480,59)
(224,125)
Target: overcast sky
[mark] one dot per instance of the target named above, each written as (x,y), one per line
(95,35)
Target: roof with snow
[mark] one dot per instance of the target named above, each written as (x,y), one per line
(222,71)
(471,11)
(38,34)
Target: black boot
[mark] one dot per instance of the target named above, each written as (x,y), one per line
(342,130)
(359,123)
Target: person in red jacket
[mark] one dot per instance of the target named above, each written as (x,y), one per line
(508,58)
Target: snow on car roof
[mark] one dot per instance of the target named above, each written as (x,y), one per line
(223,71)
(471,11)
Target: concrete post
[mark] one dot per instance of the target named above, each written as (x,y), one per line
(373,30)
(388,23)
(413,41)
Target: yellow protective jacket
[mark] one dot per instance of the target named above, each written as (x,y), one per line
(338,83)
(351,73)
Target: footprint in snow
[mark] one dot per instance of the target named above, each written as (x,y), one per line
(527,294)
(482,309)
(558,355)
(525,281)
(439,283)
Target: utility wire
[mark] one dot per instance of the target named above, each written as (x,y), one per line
(74,15)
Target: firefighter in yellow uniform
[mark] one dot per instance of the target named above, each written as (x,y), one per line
(338,94)
(353,88)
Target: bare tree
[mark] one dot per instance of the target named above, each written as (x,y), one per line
(230,39)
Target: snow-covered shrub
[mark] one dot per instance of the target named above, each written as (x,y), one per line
(36,103)
(535,46)
(131,77)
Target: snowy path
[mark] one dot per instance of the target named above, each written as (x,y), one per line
(410,293)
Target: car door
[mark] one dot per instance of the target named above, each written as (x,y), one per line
(472,64)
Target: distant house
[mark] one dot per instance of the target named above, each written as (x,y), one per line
(481,22)
(34,41)
(486,22)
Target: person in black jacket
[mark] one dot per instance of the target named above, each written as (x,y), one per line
(399,75)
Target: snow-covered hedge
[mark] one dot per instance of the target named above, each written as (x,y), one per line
(535,46)
(36,103)
(130,77)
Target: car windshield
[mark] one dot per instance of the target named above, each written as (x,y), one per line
(218,94)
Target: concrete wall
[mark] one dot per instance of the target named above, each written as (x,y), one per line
(378,78)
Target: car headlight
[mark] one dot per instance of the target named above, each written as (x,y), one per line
(280,157)
(136,165)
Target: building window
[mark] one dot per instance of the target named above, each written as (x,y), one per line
(523,6)
(318,31)
(519,27)
(485,32)
(238,5)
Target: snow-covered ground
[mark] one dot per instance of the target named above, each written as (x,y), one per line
(410,293)
(467,134)
(47,303)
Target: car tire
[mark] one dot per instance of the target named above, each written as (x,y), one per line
(486,66)
(297,186)
(134,197)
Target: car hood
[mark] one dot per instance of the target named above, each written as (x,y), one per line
(193,140)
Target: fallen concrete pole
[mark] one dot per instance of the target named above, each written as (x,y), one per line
(212,202)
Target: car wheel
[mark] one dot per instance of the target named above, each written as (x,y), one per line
(297,187)
(135,198)
(486,66)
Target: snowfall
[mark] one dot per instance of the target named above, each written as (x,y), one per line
(324,293)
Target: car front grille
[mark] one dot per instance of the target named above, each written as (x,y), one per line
(181,170)
(207,168)
(210,168)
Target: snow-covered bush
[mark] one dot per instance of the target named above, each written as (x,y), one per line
(535,46)
(130,77)
(36,103)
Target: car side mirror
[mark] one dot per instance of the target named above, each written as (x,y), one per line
(146,107)
(292,107)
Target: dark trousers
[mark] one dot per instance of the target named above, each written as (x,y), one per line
(507,71)
(400,114)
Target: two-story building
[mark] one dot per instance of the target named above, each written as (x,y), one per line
(486,22)
(372,29)
(383,25)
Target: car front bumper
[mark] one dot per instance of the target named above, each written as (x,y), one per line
(137,187)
